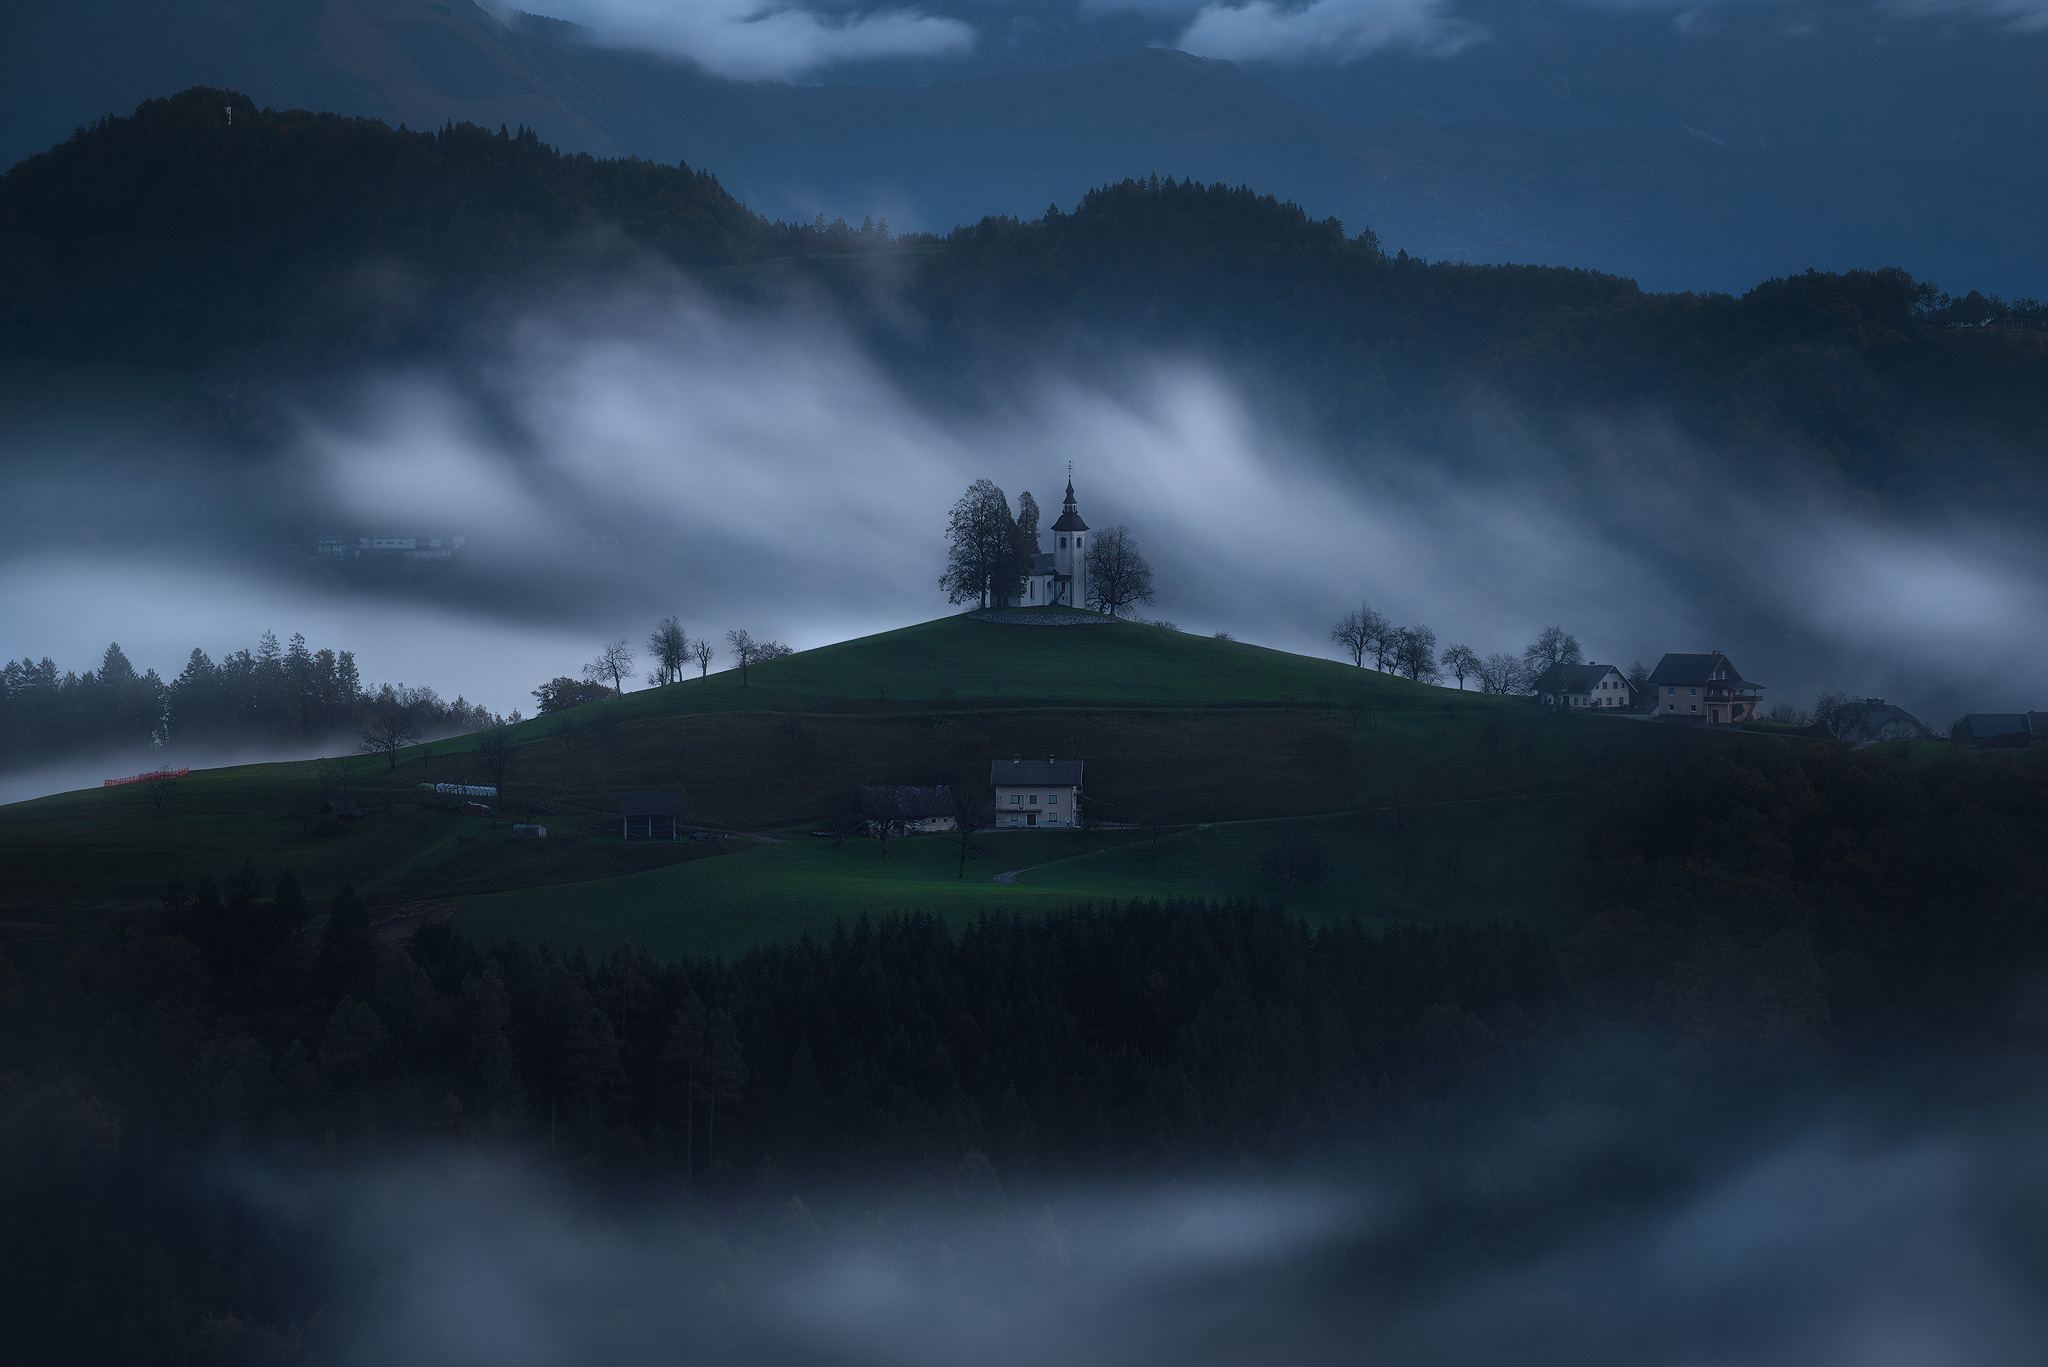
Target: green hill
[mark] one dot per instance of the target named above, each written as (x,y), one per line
(1420,790)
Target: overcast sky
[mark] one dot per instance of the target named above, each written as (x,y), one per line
(763,39)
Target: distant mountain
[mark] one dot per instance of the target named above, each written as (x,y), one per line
(282,243)
(1550,145)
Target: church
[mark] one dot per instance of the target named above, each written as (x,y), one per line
(1057,577)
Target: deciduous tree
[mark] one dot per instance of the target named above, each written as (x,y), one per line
(1460,661)
(1118,576)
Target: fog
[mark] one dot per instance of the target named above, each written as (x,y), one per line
(1838,1231)
(760,40)
(620,457)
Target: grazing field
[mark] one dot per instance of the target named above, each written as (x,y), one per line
(1490,859)
(1177,731)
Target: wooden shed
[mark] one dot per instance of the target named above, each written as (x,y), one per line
(650,816)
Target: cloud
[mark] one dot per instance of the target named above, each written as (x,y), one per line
(763,40)
(1325,31)
(2024,16)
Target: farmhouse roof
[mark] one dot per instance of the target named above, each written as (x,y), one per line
(650,804)
(1572,678)
(1035,773)
(1868,719)
(905,802)
(1694,670)
(1984,725)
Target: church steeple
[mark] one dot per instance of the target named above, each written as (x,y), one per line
(1069,554)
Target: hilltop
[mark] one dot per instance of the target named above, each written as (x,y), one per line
(1178,732)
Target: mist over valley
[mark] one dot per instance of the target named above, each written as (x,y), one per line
(1389,732)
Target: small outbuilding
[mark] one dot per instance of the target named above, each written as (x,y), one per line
(347,811)
(907,809)
(650,816)
(1996,728)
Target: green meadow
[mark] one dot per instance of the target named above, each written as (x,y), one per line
(1219,768)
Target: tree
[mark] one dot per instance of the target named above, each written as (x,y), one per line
(982,547)
(1415,653)
(1027,523)
(494,754)
(614,662)
(1352,633)
(562,692)
(386,731)
(747,651)
(1460,661)
(1833,712)
(1502,673)
(1555,646)
(1118,576)
(725,1073)
(702,651)
(973,808)
(669,648)
(1639,685)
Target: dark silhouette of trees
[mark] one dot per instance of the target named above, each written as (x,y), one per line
(1461,662)
(703,653)
(614,663)
(669,649)
(1414,653)
(1119,577)
(984,548)
(1361,633)
(1555,646)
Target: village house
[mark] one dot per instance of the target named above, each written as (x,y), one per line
(650,816)
(1034,792)
(2001,728)
(1058,577)
(1703,688)
(1583,686)
(1870,720)
(907,810)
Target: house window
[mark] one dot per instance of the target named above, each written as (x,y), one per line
(1694,708)
(1017,799)
(1063,543)
(1034,799)
(1694,691)
(1052,799)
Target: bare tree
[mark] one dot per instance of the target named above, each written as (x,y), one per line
(1461,661)
(1834,712)
(614,662)
(973,808)
(1415,653)
(983,546)
(669,647)
(1118,576)
(1639,685)
(1555,646)
(744,649)
(386,732)
(702,651)
(1502,673)
(494,755)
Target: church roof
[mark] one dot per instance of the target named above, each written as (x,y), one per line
(1070,521)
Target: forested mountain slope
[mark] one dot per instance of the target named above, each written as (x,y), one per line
(175,237)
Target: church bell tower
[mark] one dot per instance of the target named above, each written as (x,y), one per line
(1069,555)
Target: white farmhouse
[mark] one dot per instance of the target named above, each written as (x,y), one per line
(1583,686)
(1037,792)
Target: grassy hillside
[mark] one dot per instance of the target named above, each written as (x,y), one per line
(1178,731)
